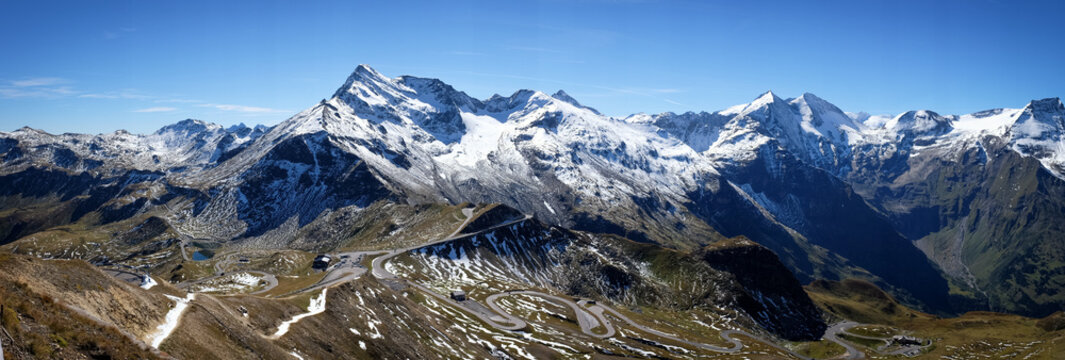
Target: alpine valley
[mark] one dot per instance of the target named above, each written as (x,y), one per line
(401,218)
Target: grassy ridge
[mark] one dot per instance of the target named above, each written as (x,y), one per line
(43,328)
(970,335)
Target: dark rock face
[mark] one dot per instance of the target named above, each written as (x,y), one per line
(301,177)
(150,228)
(771,295)
(986,219)
(830,214)
(51,197)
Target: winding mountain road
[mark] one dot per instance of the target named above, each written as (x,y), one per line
(589,315)
(588,322)
(378,264)
(832,334)
(505,321)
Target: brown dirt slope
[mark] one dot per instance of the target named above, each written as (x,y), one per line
(43,319)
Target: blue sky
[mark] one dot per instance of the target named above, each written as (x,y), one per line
(81,66)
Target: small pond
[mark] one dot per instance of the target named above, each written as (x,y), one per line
(201,256)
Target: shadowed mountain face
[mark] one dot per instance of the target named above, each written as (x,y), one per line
(778,301)
(298,180)
(829,214)
(912,203)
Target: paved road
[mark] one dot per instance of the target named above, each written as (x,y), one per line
(469,217)
(379,271)
(598,312)
(586,321)
(184,238)
(902,350)
(736,345)
(589,315)
(348,268)
(725,334)
(499,320)
(184,255)
(832,334)
(271,281)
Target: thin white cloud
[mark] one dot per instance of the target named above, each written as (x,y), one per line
(35,92)
(242,108)
(45,87)
(98,96)
(155,109)
(124,94)
(178,101)
(32,82)
(41,87)
(667,91)
(672,102)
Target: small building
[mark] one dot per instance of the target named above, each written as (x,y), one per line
(321,262)
(458,295)
(907,340)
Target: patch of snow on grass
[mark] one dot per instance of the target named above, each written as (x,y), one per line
(148,283)
(376,333)
(317,306)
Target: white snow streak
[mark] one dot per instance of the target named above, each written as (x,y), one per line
(317,306)
(173,317)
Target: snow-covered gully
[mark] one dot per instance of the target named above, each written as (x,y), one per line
(173,317)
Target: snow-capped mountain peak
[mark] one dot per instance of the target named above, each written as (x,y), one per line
(425,118)
(762,103)
(188,127)
(1039,132)
(920,122)
(563,96)
(362,74)
(1048,105)
(823,118)
(1041,119)
(765,98)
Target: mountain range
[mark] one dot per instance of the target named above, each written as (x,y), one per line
(948,213)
